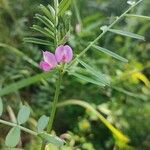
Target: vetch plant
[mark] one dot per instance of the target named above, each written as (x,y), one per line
(62,62)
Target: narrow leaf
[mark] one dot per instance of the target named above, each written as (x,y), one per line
(51,139)
(106,51)
(51,10)
(13,137)
(46,12)
(41,30)
(37,41)
(138,16)
(128,34)
(1,107)
(87,79)
(25,82)
(42,123)
(63,6)
(49,31)
(45,21)
(102,77)
(23,114)
(56,3)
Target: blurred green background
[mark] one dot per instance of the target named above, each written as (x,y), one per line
(125,104)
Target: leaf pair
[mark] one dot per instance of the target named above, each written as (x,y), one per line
(13,136)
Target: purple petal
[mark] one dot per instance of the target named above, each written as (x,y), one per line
(64,53)
(50,59)
(45,66)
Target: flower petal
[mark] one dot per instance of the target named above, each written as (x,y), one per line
(45,66)
(59,53)
(68,52)
(64,53)
(50,59)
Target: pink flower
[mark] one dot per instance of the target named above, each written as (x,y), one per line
(64,53)
(49,61)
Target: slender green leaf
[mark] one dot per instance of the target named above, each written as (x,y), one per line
(63,6)
(37,41)
(56,4)
(128,34)
(25,82)
(41,30)
(1,107)
(51,10)
(88,79)
(106,51)
(42,123)
(138,16)
(46,12)
(45,21)
(13,137)
(49,31)
(102,77)
(51,139)
(23,114)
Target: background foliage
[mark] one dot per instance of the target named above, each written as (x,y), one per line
(125,103)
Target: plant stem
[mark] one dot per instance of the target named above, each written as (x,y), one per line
(54,106)
(52,115)
(16,125)
(103,33)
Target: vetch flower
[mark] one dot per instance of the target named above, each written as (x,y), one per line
(64,53)
(49,61)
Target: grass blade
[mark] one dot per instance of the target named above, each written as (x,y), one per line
(106,51)
(25,82)
(128,34)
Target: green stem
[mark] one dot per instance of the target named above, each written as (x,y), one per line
(16,125)
(52,115)
(102,34)
(54,106)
